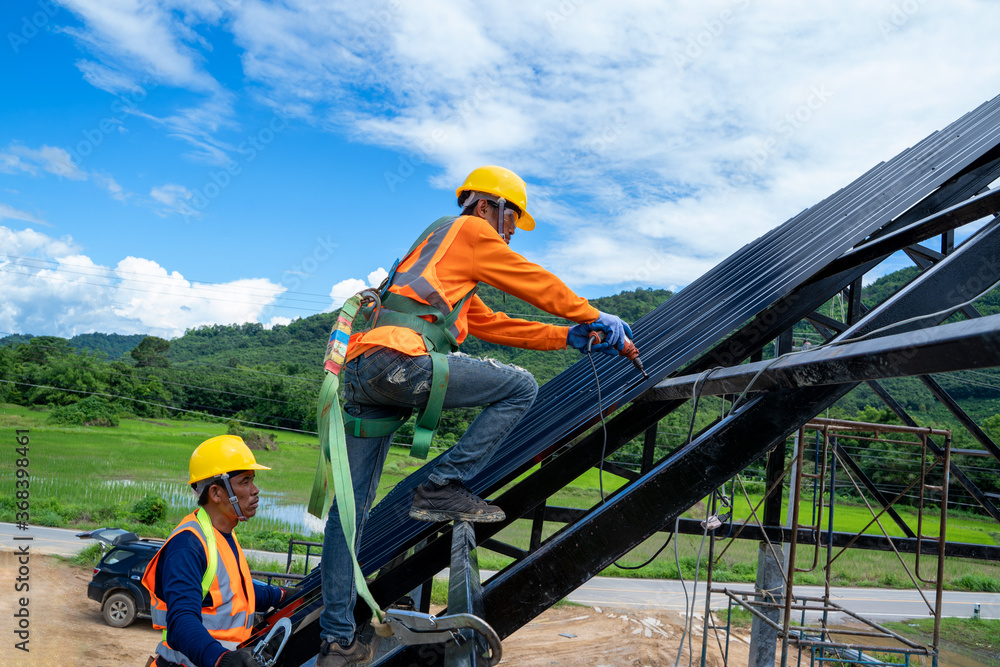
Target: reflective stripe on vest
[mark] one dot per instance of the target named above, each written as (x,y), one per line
(229,619)
(413,281)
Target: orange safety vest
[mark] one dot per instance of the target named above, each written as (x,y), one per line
(229,619)
(448,264)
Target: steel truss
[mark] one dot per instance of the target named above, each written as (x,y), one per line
(769,285)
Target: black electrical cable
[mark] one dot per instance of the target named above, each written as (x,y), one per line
(604,443)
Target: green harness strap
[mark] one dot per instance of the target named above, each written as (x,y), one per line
(333,471)
(399,311)
(213,556)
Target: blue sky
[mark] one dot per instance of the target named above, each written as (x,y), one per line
(166,164)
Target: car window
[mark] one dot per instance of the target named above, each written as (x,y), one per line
(140,568)
(104,535)
(117,555)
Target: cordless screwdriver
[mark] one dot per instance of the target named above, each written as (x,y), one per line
(628,350)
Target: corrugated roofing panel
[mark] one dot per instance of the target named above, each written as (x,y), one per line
(702,314)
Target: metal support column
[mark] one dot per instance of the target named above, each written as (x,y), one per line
(465,597)
(770,573)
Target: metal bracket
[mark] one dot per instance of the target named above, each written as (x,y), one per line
(412,627)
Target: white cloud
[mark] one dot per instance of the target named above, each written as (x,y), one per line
(50,287)
(57,161)
(52,159)
(376,277)
(107,79)
(111,185)
(689,127)
(696,125)
(345,289)
(277,321)
(156,43)
(8,212)
(174,198)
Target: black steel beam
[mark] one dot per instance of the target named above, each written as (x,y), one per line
(580,551)
(942,222)
(956,472)
(506,549)
(949,347)
(649,447)
(562,564)
(961,415)
(854,305)
(464,597)
(925,258)
(818,319)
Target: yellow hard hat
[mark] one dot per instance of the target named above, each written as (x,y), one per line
(221,454)
(500,182)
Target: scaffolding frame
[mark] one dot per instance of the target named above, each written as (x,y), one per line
(822,639)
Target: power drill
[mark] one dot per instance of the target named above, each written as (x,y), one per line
(628,350)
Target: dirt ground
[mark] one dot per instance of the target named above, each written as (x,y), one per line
(66,628)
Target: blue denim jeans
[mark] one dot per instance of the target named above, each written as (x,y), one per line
(384,384)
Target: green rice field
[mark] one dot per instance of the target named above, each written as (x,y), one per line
(95,474)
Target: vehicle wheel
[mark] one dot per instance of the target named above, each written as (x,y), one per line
(119,610)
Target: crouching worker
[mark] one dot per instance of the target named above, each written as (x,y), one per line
(199,581)
(402,364)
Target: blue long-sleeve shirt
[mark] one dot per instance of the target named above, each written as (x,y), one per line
(180,569)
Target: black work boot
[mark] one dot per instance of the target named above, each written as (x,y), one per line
(452,502)
(332,654)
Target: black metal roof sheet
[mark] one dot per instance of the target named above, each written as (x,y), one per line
(702,314)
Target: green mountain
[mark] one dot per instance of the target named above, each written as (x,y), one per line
(113,346)
(270,376)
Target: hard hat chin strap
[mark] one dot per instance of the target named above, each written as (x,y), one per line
(232,496)
(499,202)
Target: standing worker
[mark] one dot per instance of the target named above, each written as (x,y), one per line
(199,581)
(428,308)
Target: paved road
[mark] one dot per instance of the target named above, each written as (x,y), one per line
(874,603)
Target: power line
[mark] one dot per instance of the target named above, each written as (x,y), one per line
(159,405)
(135,289)
(114,273)
(202,405)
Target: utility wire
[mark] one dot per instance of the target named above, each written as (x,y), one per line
(230,411)
(159,405)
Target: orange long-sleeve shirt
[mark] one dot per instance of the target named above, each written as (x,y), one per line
(474,253)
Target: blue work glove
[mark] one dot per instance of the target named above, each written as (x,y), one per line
(615,331)
(578,336)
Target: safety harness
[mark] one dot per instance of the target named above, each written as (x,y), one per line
(380,308)
(391,309)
